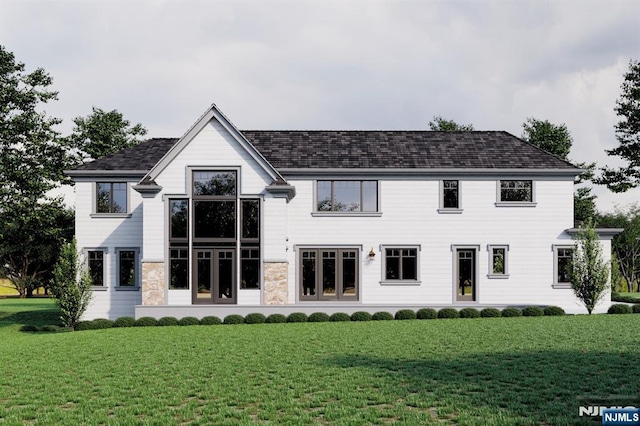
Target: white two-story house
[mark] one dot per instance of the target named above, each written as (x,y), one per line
(226,221)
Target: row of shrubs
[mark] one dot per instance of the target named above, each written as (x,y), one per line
(257,318)
(623,297)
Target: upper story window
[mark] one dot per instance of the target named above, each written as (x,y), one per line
(347,196)
(450,194)
(179,219)
(214,183)
(214,205)
(111,197)
(516,191)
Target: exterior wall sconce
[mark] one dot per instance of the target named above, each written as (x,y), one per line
(372,254)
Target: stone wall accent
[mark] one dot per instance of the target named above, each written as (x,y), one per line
(153,283)
(275,283)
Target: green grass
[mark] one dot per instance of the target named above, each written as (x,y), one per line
(502,371)
(626,297)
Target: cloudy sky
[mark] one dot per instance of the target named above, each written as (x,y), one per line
(337,64)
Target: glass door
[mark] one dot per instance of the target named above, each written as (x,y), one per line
(466,279)
(214,275)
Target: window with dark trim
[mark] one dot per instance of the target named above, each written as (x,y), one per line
(329,274)
(214,206)
(127,268)
(516,191)
(250,268)
(563,258)
(450,194)
(111,197)
(178,268)
(400,264)
(179,211)
(95,263)
(498,261)
(347,196)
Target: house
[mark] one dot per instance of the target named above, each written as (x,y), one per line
(226,221)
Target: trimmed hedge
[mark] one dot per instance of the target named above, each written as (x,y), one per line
(469,313)
(256,318)
(622,297)
(318,317)
(554,311)
(490,313)
(445,313)
(533,311)
(276,318)
(210,320)
(619,308)
(426,313)
(146,322)
(297,317)
(233,319)
(167,321)
(382,316)
(511,312)
(188,321)
(339,316)
(405,314)
(85,325)
(124,322)
(636,308)
(101,323)
(361,316)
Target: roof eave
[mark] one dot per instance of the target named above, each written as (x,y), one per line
(431,172)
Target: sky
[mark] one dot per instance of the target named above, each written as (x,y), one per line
(337,65)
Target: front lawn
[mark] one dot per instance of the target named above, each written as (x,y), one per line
(528,370)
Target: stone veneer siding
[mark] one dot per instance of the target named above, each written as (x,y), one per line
(275,283)
(153,283)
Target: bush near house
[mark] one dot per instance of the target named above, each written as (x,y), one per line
(297,317)
(185,321)
(339,317)
(405,314)
(636,308)
(210,320)
(146,322)
(233,319)
(490,313)
(619,308)
(511,312)
(361,316)
(446,313)
(469,313)
(168,321)
(553,311)
(124,322)
(382,316)
(533,311)
(256,318)
(318,317)
(276,318)
(426,313)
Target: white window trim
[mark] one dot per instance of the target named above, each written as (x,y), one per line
(384,281)
(314,200)
(94,201)
(450,210)
(500,203)
(137,264)
(505,274)
(555,249)
(104,251)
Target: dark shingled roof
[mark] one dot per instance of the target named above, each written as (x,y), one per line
(295,149)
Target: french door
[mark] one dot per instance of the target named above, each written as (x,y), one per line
(214,276)
(466,275)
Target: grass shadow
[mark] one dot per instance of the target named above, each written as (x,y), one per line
(38,311)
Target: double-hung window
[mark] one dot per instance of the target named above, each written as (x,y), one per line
(96,266)
(127,268)
(111,197)
(347,196)
(562,260)
(498,261)
(516,193)
(449,196)
(400,265)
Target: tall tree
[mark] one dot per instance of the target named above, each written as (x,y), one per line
(104,132)
(32,160)
(589,272)
(627,134)
(557,140)
(440,124)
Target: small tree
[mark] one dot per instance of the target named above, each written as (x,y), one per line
(441,124)
(589,273)
(71,286)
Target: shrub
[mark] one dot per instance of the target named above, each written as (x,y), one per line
(382,316)
(553,311)
(405,314)
(533,311)
(621,297)
(297,317)
(124,322)
(50,328)
(101,323)
(275,319)
(256,318)
(636,308)
(469,313)
(318,317)
(361,316)
(448,313)
(490,313)
(210,320)
(511,312)
(30,328)
(167,321)
(189,321)
(146,322)
(619,308)
(339,316)
(84,325)
(233,319)
(426,313)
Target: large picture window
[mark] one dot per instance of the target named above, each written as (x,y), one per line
(516,191)
(329,274)
(347,196)
(111,197)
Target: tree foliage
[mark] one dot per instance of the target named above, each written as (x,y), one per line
(104,132)
(71,285)
(441,124)
(589,272)
(628,135)
(32,160)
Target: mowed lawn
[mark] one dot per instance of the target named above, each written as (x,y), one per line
(504,371)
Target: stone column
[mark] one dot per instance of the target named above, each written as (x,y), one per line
(275,283)
(153,283)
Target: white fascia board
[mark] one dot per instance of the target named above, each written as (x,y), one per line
(435,173)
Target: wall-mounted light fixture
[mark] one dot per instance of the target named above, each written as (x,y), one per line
(372,254)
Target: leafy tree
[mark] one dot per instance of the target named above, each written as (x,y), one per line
(628,135)
(441,124)
(71,286)
(32,160)
(102,133)
(589,272)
